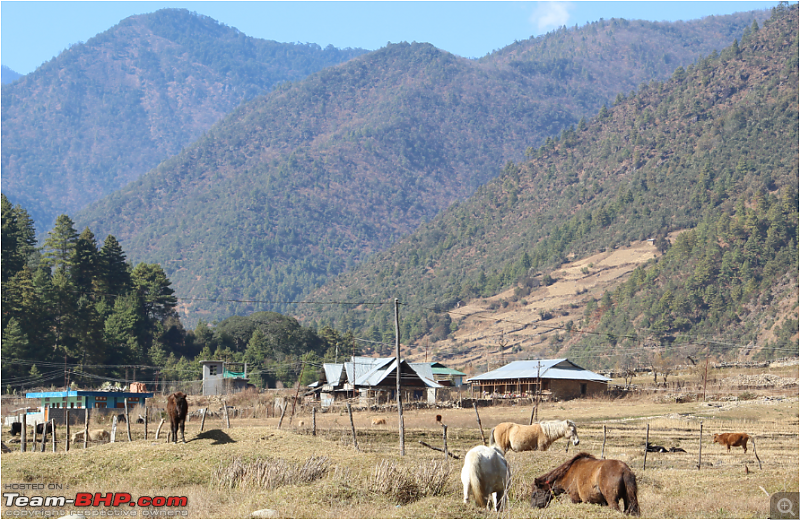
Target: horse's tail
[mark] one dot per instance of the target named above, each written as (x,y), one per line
(631,496)
(478,492)
(492,441)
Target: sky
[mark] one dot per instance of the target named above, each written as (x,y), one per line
(33,32)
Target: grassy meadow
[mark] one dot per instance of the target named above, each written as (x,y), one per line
(253,465)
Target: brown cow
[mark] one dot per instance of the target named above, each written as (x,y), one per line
(94,436)
(732,439)
(176,409)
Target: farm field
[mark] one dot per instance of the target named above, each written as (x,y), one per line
(231,472)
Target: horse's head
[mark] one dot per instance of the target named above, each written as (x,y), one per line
(572,432)
(541,494)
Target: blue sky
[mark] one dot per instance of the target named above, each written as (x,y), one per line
(33,32)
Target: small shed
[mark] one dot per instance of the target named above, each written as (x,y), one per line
(219,377)
(558,378)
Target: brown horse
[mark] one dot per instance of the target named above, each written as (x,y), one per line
(176,409)
(587,479)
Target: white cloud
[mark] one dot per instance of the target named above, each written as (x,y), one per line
(551,15)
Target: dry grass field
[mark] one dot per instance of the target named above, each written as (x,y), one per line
(231,472)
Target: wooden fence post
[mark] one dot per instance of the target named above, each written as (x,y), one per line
(352,426)
(113,428)
(225,408)
(44,436)
(145,423)
(127,420)
(53,433)
(314,421)
(603,451)
(283,412)
(646,444)
(700,453)
(85,428)
(203,419)
(444,438)
(158,430)
(478,417)
(754,452)
(24,433)
(35,442)
(66,420)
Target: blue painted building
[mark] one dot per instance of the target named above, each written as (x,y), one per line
(88,399)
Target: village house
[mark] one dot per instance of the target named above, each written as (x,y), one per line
(559,379)
(373,381)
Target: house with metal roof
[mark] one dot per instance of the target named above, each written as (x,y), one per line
(557,378)
(374,380)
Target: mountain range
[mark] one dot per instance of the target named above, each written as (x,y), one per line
(703,165)
(104,112)
(305,182)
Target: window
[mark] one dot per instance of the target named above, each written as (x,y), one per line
(583,388)
(212,370)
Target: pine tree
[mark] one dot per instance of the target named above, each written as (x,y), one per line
(114,278)
(59,247)
(85,263)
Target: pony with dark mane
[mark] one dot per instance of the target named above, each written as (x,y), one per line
(176,409)
(539,436)
(588,479)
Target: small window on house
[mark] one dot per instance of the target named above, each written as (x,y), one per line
(212,370)
(583,388)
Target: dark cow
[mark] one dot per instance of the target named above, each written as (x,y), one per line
(121,418)
(654,448)
(176,409)
(41,426)
(732,439)
(16,428)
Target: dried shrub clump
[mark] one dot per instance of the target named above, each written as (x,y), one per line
(268,473)
(405,485)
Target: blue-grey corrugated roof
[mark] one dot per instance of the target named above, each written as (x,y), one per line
(362,366)
(373,371)
(547,368)
(333,372)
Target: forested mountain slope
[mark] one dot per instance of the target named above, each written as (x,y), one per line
(713,152)
(104,112)
(303,183)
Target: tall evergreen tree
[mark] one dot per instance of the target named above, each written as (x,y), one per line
(85,263)
(59,247)
(114,274)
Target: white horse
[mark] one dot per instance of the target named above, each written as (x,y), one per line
(485,473)
(538,436)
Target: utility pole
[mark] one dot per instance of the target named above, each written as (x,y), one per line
(397,354)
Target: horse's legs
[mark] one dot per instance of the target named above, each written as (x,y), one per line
(183,437)
(499,500)
(466,492)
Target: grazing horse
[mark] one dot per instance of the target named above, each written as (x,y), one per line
(485,473)
(539,436)
(176,409)
(587,479)
(732,439)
